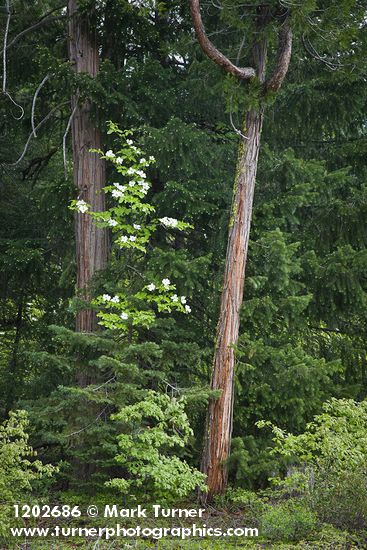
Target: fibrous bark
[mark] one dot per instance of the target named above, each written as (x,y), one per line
(220,411)
(88,168)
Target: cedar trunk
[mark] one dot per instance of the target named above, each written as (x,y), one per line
(220,412)
(88,168)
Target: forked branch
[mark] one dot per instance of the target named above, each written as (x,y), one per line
(273,83)
(211,51)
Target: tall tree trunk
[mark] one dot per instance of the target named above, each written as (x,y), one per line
(89,169)
(220,412)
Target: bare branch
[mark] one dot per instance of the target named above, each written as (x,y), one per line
(4,90)
(113,379)
(273,83)
(90,424)
(237,131)
(17,105)
(34,103)
(39,23)
(65,136)
(313,53)
(211,51)
(45,119)
(5,44)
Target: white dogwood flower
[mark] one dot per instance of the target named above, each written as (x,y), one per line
(151,287)
(116,193)
(110,154)
(82,206)
(169,222)
(166,283)
(124,316)
(120,187)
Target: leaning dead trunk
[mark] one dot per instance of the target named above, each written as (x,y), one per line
(220,412)
(88,168)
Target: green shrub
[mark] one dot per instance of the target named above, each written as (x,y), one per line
(288,521)
(250,504)
(331,456)
(18,466)
(155,426)
(340,498)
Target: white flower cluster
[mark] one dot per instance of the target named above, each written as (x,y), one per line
(119,191)
(183,300)
(82,206)
(125,238)
(144,187)
(166,284)
(135,172)
(169,222)
(108,298)
(111,155)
